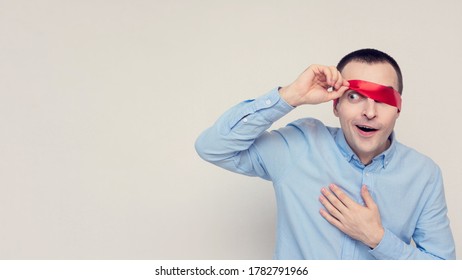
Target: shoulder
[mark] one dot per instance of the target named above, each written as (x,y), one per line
(421,162)
(314,128)
(310,125)
(307,122)
(306,131)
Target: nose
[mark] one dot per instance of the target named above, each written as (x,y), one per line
(370,110)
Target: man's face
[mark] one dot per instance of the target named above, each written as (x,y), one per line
(367,124)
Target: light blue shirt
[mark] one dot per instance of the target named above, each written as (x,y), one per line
(306,155)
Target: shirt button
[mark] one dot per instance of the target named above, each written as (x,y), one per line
(367,174)
(244,119)
(268,102)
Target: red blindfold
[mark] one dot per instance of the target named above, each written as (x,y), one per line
(376,92)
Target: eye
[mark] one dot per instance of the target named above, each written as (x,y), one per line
(355,97)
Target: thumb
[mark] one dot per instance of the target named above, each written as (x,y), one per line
(366,195)
(339,92)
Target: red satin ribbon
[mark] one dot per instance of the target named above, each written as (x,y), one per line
(376,92)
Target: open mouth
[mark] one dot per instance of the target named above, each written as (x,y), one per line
(366,129)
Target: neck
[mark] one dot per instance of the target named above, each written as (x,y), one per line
(366,159)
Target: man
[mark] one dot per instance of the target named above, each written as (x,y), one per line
(353,192)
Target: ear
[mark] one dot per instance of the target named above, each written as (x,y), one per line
(335,108)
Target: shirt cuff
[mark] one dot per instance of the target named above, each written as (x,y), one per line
(389,248)
(279,107)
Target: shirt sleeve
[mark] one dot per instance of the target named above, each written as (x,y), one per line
(432,236)
(229,142)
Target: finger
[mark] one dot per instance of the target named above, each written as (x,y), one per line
(333,221)
(324,73)
(334,200)
(340,80)
(330,208)
(366,195)
(338,93)
(345,199)
(335,76)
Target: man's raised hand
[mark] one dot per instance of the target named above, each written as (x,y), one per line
(317,84)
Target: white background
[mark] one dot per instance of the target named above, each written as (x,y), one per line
(101,102)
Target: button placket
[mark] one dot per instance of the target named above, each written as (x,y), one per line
(369,175)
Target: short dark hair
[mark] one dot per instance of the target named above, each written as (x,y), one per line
(371,56)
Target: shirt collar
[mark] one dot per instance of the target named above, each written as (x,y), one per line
(384,158)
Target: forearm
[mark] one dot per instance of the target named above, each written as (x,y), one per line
(236,130)
(393,248)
